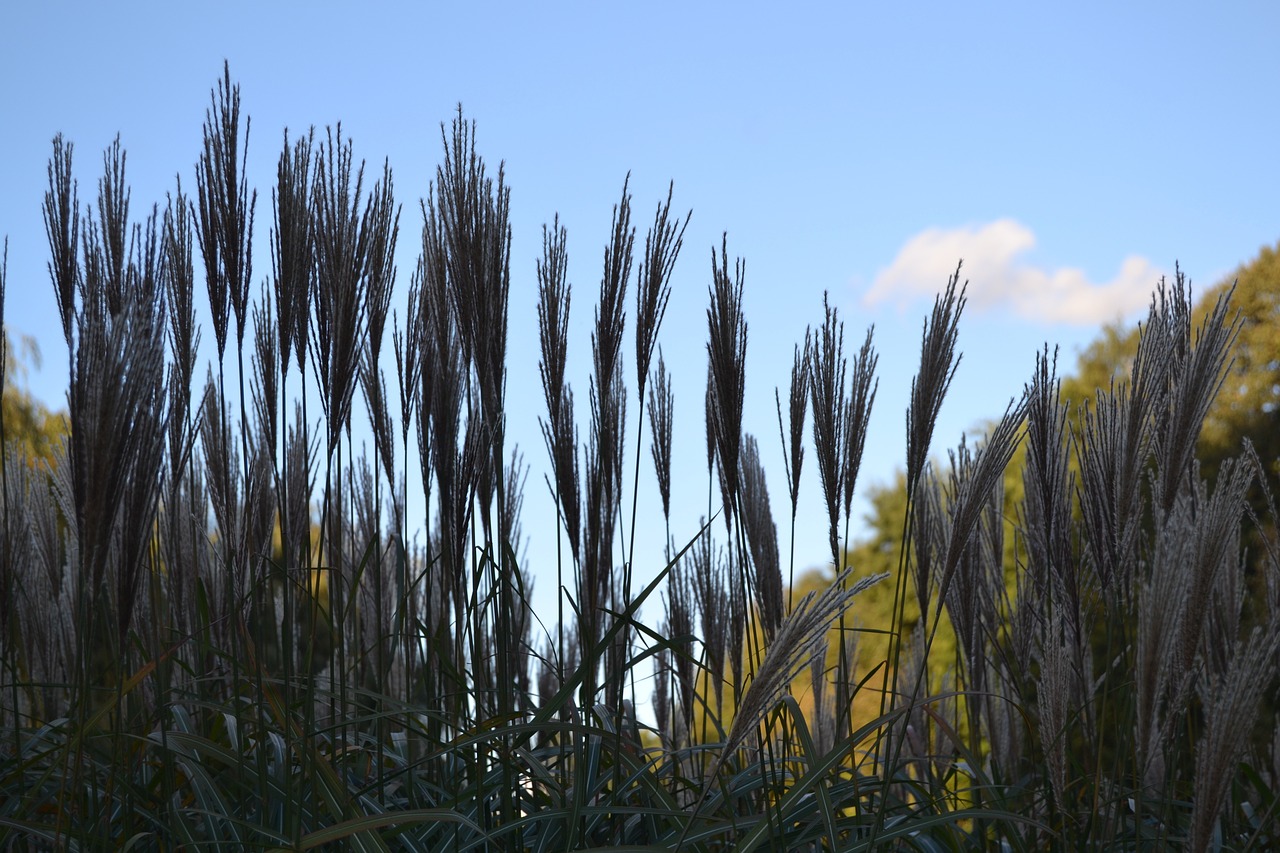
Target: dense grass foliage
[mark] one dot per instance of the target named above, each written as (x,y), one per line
(221,629)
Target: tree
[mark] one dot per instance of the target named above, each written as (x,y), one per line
(1248,406)
(29,427)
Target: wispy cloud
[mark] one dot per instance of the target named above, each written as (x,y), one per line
(1000,279)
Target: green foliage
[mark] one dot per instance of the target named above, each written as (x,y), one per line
(1248,406)
(33,430)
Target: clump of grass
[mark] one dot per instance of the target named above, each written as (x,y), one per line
(203,644)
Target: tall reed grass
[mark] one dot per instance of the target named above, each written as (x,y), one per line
(223,630)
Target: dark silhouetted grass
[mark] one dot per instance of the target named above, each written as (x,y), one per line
(224,631)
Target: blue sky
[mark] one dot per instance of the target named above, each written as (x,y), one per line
(1069,153)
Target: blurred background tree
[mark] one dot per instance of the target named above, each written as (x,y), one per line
(28,425)
(1248,407)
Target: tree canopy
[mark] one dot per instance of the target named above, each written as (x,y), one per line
(1248,406)
(28,425)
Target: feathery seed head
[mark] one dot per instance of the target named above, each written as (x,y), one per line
(554,296)
(662,246)
(938,363)
(762,540)
(798,403)
(857,415)
(661,407)
(292,246)
(62,227)
(802,634)
(179,280)
(727,353)
(225,211)
(827,367)
(472,233)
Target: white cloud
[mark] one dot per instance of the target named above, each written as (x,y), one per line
(999,279)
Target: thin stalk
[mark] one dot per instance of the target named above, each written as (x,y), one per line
(287,627)
(6,557)
(895,640)
(844,696)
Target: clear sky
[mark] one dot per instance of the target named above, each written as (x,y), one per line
(1069,153)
